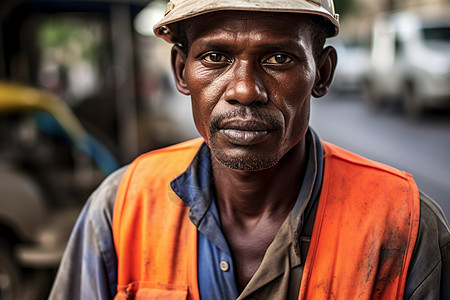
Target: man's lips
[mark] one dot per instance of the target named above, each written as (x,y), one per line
(245,132)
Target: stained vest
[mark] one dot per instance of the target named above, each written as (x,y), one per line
(364,232)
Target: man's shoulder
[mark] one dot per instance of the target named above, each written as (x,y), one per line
(168,156)
(432,216)
(430,263)
(162,164)
(102,200)
(187,146)
(336,152)
(433,223)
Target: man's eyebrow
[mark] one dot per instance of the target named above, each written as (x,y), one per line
(207,43)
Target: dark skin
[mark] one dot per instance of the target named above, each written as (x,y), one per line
(250,76)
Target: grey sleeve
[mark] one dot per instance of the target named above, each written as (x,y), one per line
(429,270)
(88,269)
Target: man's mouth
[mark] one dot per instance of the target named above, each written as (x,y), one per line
(245,132)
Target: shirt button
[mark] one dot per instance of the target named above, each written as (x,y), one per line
(224,266)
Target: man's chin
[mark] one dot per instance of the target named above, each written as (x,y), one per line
(245,163)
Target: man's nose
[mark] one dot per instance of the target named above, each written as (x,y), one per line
(246,86)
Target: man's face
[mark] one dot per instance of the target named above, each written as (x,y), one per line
(250,77)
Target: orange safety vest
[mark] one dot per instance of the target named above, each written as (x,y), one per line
(362,242)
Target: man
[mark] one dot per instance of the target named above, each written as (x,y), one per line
(259,207)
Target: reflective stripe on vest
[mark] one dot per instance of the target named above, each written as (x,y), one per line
(362,242)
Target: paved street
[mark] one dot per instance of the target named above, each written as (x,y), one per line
(421,147)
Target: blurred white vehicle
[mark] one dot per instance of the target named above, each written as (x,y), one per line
(353,62)
(410,61)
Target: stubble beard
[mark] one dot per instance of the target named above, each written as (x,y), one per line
(243,162)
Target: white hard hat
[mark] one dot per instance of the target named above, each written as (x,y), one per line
(178,10)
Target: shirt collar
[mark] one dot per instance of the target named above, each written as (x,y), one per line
(195,186)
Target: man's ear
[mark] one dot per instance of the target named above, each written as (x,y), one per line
(325,72)
(179,69)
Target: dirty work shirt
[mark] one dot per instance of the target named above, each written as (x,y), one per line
(89,267)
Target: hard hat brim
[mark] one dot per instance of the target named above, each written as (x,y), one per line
(176,12)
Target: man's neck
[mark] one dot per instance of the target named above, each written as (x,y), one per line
(245,195)
(253,205)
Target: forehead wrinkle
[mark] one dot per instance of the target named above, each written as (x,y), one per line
(231,40)
(250,27)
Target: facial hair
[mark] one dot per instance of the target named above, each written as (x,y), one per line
(244,162)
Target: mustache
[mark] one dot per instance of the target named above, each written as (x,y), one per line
(246,113)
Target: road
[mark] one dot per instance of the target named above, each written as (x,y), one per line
(420,147)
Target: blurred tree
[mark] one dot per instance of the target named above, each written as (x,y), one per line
(67,33)
(70,56)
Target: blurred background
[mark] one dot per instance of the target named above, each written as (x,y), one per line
(85,88)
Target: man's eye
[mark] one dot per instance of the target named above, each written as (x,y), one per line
(215,57)
(278,59)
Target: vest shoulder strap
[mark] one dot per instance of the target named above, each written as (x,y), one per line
(364,231)
(156,244)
